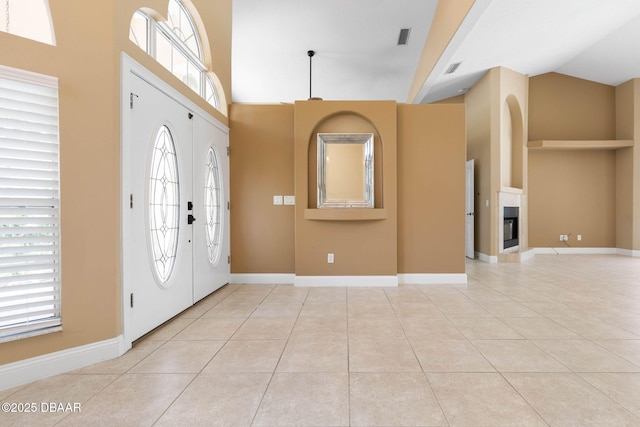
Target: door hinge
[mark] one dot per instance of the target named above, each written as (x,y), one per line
(228,205)
(228,151)
(131,299)
(190,115)
(228,259)
(131,95)
(131,200)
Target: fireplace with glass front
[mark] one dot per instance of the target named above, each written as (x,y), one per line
(510,234)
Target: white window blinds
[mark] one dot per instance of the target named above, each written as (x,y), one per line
(29,205)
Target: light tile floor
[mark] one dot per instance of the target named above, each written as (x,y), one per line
(554,341)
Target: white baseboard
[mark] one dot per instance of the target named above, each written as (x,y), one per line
(567,251)
(576,251)
(433,279)
(628,252)
(348,281)
(491,259)
(354,281)
(263,279)
(527,255)
(39,367)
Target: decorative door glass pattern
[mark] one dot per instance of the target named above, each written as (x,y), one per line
(212,206)
(164,204)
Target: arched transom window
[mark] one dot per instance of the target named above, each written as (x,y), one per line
(176,44)
(27,18)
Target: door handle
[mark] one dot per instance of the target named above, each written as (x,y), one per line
(190,219)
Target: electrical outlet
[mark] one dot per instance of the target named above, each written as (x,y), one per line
(562,237)
(579,237)
(289,200)
(330,258)
(277,200)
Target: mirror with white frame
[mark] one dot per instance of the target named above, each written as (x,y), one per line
(345,170)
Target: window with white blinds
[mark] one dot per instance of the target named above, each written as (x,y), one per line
(29,205)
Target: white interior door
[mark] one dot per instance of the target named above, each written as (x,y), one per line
(157,236)
(210,202)
(470,211)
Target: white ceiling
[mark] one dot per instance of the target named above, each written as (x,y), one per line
(357,57)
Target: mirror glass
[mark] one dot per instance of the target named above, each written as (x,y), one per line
(345,170)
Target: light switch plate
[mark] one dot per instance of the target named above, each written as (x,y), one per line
(277,200)
(289,200)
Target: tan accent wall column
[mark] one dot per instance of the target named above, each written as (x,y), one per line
(628,167)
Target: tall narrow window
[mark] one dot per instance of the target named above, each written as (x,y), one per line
(176,45)
(27,18)
(29,205)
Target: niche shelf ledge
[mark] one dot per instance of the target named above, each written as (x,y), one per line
(345,214)
(611,144)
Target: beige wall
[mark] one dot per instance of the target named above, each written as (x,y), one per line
(360,247)
(571,191)
(430,190)
(431,182)
(563,107)
(628,166)
(90,36)
(453,100)
(262,234)
(478,120)
(514,104)
(497,115)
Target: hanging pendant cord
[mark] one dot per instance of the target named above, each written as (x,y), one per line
(310,53)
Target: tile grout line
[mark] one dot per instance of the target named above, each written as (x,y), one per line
(273,373)
(424,373)
(197,374)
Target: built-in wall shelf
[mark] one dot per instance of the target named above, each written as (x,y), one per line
(355,214)
(549,144)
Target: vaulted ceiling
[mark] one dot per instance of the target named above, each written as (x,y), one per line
(357,56)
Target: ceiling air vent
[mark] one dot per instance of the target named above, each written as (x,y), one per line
(403,38)
(452,68)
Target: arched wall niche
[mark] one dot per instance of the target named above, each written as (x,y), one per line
(364,241)
(514,140)
(344,122)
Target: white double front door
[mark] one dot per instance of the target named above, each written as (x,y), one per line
(175,218)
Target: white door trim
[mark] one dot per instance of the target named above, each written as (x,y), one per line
(469,225)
